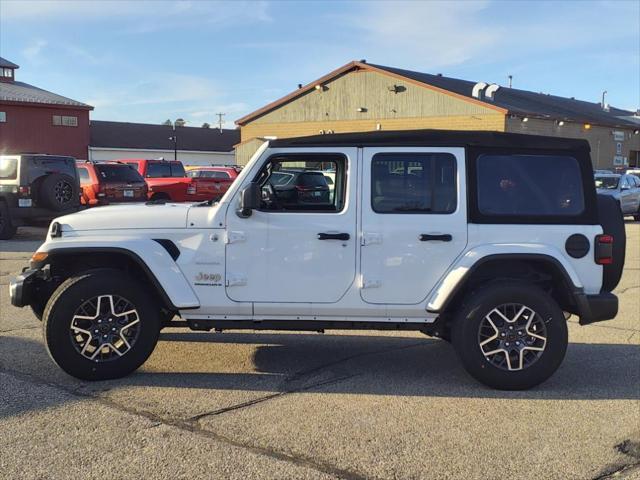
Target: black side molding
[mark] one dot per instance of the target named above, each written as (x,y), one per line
(171,248)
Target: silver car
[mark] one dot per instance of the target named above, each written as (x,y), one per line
(624,188)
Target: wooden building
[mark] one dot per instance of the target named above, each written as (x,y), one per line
(362,97)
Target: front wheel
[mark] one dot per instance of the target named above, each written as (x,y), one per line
(510,336)
(100,325)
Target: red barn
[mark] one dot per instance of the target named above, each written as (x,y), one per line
(38,121)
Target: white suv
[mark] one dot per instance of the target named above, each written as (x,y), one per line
(487,240)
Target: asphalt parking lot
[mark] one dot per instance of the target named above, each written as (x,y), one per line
(336,405)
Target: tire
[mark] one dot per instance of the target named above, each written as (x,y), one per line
(612,222)
(160,196)
(473,325)
(67,329)
(59,192)
(7,228)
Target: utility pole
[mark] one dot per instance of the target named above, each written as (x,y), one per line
(220,115)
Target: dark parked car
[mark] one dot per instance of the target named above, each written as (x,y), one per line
(36,188)
(299,187)
(105,183)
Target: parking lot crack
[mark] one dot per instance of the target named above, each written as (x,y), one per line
(196,428)
(269,397)
(19,329)
(626,289)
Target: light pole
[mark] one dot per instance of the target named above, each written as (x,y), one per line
(174,138)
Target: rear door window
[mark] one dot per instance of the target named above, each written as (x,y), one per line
(413,183)
(83,173)
(177,169)
(529,185)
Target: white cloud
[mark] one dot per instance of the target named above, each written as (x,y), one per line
(145,15)
(433,34)
(34,49)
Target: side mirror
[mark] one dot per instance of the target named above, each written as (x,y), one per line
(250,199)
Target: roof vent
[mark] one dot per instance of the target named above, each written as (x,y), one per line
(477,89)
(489,93)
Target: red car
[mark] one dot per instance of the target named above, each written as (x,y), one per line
(166,179)
(212,182)
(104,183)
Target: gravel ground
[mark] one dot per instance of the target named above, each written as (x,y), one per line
(338,405)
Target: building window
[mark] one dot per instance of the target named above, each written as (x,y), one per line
(3,117)
(7,72)
(65,121)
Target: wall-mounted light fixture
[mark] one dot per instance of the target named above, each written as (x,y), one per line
(321,88)
(525,119)
(396,88)
(636,132)
(361,109)
(587,126)
(559,123)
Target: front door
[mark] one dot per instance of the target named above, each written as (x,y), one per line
(414,221)
(300,246)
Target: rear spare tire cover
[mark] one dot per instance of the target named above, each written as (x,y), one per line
(59,192)
(612,221)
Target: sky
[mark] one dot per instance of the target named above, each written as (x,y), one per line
(148,61)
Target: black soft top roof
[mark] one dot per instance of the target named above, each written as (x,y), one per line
(434,138)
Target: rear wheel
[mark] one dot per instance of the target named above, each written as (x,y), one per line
(100,325)
(7,229)
(160,196)
(510,336)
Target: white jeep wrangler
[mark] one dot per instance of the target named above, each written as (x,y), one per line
(487,240)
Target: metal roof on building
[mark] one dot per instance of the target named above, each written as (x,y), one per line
(7,64)
(524,102)
(145,136)
(23,92)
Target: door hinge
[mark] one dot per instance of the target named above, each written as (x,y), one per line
(235,237)
(235,280)
(371,283)
(371,238)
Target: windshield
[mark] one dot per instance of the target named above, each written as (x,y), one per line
(118,173)
(608,183)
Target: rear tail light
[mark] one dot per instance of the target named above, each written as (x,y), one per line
(24,191)
(101,193)
(604,249)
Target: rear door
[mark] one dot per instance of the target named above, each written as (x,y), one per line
(414,221)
